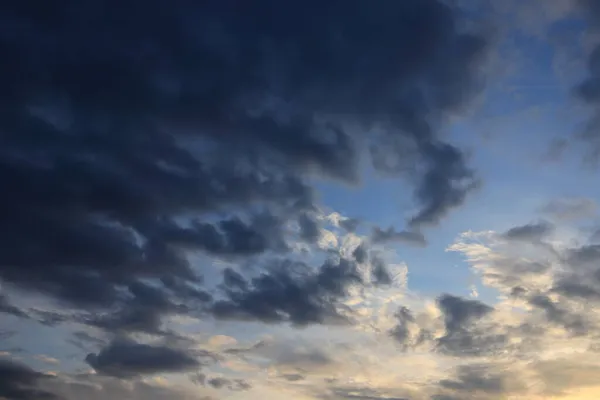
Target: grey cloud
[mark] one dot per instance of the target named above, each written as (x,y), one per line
(242,350)
(350,224)
(290,292)
(584,256)
(304,360)
(564,317)
(588,91)
(380,273)
(575,289)
(309,228)
(570,208)
(84,341)
(7,307)
(293,377)
(19,382)
(50,318)
(233,279)
(218,383)
(98,387)
(474,342)
(125,358)
(531,232)
(480,381)
(230,384)
(144,306)
(400,332)
(459,312)
(445,185)
(463,336)
(361,254)
(142,313)
(391,235)
(129,128)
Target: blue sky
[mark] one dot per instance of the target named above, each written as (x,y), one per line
(309,201)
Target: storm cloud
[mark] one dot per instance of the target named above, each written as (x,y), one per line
(135,134)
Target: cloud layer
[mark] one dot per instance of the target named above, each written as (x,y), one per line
(164,228)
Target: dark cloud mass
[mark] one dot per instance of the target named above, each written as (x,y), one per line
(19,382)
(128,126)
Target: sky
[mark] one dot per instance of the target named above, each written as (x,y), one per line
(304,200)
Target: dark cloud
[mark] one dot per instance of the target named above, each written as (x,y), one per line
(444,186)
(309,228)
(572,288)
(125,358)
(350,224)
(531,232)
(229,237)
(240,351)
(50,318)
(459,312)
(360,253)
(476,380)
(401,331)
(98,387)
(142,312)
(289,292)
(302,359)
(380,272)
(218,383)
(84,341)
(473,342)
(133,136)
(565,317)
(588,91)
(19,382)
(463,336)
(379,235)
(230,384)
(7,307)
(584,256)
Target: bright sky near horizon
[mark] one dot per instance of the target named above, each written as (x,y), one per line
(304,200)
